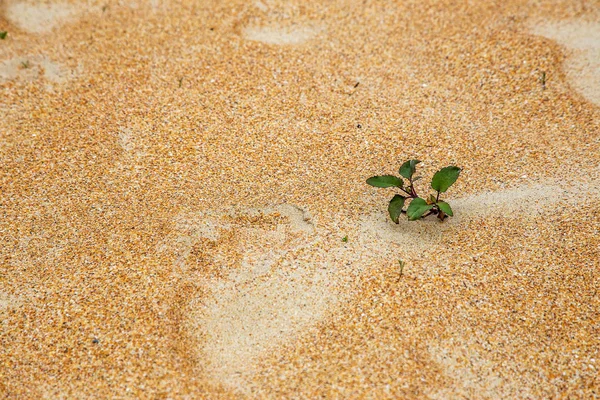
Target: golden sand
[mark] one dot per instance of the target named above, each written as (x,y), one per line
(177,178)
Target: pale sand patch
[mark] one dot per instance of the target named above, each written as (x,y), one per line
(53,71)
(125,139)
(261,6)
(32,68)
(257,309)
(582,67)
(6,302)
(517,202)
(288,278)
(281,35)
(35,17)
(473,375)
(281,284)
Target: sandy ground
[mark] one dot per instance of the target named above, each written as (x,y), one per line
(177,178)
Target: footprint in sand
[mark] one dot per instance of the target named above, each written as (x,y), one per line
(274,275)
(582,67)
(269,282)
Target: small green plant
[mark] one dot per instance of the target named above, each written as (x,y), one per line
(418,207)
(543,80)
(345,239)
(25,64)
(401,267)
(3,35)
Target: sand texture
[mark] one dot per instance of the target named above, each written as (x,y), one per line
(184,212)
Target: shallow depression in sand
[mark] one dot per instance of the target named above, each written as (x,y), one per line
(280,283)
(248,316)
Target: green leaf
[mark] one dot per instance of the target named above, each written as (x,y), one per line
(3,35)
(445,207)
(417,208)
(408,168)
(395,207)
(385,181)
(444,178)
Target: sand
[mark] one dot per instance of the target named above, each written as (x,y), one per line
(31,68)
(582,40)
(281,36)
(38,17)
(177,179)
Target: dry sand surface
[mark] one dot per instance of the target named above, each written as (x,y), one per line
(176,179)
